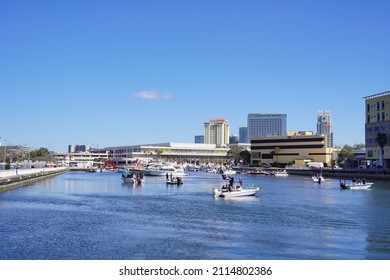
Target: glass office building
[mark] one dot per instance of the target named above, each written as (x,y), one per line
(266,125)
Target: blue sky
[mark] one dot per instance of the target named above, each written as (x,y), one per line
(129,72)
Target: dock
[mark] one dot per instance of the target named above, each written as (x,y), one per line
(10,179)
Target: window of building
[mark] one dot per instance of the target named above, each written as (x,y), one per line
(383,116)
(370,153)
(368,108)
(378,106)
(383,105)
(368,118)
(378,117)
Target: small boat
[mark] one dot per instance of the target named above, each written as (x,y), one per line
(128,180)
(229,172)
(132,178)
(175,181)
(356,185)
(238,192)
(318,179)
(280,173)
(161,170)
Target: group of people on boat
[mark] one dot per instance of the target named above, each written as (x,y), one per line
(318,178)
(173,180)
(358,181)
(231,187)
(138,177)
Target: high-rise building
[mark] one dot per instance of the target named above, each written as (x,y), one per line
(79,148)
(324,126)
(216,131)
(243,134)
(233,139)
(378,124)
(71,148)
(266,125)
(199,139)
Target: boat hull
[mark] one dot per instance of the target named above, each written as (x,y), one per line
(356,186)
(128,180)
(359,186)
(238,193)
(317,180)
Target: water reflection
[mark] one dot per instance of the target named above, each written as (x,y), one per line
(97,216)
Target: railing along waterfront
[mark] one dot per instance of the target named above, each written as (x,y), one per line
(10,179)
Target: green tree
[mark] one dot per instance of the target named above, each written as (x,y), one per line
(158,152)
(42,154)
(382,141)
(276,152)
(345,153)
(234,154)
(358,146)
(246,156)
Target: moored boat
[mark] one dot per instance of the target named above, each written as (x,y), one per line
(162,170)
(280,173)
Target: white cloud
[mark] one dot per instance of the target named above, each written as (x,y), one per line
(152,94)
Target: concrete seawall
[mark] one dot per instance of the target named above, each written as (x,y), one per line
(339,173)
(11,179)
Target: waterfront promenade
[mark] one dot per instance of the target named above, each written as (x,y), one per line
(10,179)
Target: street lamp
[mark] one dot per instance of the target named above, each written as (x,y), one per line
(5,150)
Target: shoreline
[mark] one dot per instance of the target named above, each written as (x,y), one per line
(10,180)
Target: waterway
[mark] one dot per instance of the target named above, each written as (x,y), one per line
(83,216)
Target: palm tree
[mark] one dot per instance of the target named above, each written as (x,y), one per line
(158,152)
(276,152)
(382,140)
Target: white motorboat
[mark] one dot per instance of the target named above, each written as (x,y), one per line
(356,186)
(162,170)
(280,173)
(229,172)
(175,181)
(132,178)
(128,180)
(318,179)
(239,192)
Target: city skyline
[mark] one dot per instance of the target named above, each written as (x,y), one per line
(112,74)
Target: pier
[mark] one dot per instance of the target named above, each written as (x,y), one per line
(10,179)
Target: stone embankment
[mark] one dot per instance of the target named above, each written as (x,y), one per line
(340,173)
(11,179)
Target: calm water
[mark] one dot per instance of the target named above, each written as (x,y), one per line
(94,216)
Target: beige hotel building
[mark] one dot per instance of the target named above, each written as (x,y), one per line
(294,148)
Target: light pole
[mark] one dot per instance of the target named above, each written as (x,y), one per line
(5,150)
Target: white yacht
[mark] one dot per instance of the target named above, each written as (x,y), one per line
(164,169)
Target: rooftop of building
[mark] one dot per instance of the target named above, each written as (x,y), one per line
(218,119)
(381,94)
(266,115)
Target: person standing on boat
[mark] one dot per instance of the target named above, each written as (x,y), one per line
(231,181)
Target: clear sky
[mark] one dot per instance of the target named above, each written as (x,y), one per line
(130,72)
